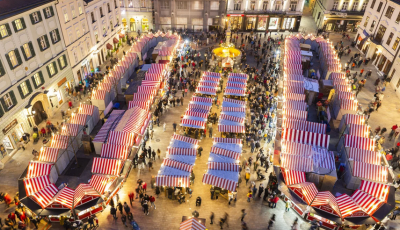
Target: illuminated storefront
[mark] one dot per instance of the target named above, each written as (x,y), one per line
(262,23)
(251,22)
(236,21)
(145,25)
(273,24)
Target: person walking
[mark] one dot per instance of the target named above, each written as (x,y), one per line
(247,177)
(123,219)
(164,126)
(145,207)
(287,206)
(210,130)
(113,212)
(126,208)
(91,221)
(249,196)
(152,200)
(243,214)
(159,153)
(119,206)
(174,125)
(212,218)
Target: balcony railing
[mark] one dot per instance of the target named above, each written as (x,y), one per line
(264,12)
(348,12)
(138,9)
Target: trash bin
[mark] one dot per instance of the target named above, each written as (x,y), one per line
(86,144)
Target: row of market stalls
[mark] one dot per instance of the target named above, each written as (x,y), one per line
(208,85)
(305,162)
(231,121)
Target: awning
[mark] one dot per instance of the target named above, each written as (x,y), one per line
(121,35)
(115,40)
(109,46)
(38,169)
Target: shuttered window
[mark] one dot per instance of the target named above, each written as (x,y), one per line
(14,59)
(28,51)
(36,17)
(52,69)
(5,31)
(55,36)
(2,70)
(8,101)
(43,42)
(19,24)
(38,79)
(48,12)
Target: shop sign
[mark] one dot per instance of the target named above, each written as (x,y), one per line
(60,83)
(10,126)
(263,16)
(235,15)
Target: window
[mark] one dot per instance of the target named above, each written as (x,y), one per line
(252,5)
(396,44)
(78,33)
(66,19)
(389,38)
(24,89)
(37,79)
(19,24)
(111,25)
(101,12)
(130,4)
(379,7)
(108,7)
(278,6)
(398,19)
(265,5)
(237,6)
(88,46)
(72,10)
(96,36)
(380,34)
(164,4)
(355,6)
(143,3)
(83,27)
(62,62)
(335,5)
(27,50)
(389,12)
(214,5)
(52,69)
(5,31)
(43,42)
(373,4)
(366,21)
(82,52)
(80,9)
(35,17)
(75,57)
(13,58)
(71,36)
(182,5)
(48,12)
(92,16)
(372,26)
(345,5)
(293,5)
(8,102)
(364,5)
(55,36)
(104,30)
(2,70)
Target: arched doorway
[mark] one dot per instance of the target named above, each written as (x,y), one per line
(38,112)
(132,25)
(124,23)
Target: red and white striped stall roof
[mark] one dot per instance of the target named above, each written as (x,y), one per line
(295,114)
(304,137)
(153,77)
(233,101)
(241,75)
(348,104)
(377,190)
(202,99)
(231,118)
(296,162)
(69,129)
(150,83)
(295,148)
(143,104)
(114,151)
(99,183)
(231,128)
(212,74)
(79,119)
(233,109)
(355,119)
(349,208)
(359,130)
(32,185)
(192,224)
(99,95)
(197,106)
(297,84)
(225,152)
(296,105)
(223,166)
(304,125)
(306,191)
(293,177)
(36,168)
(105,86)
(45,196)
(206,90)
(338,76)
(208,83)
(121,138)
(86,109)
(294,97)
(294,77)
(106,166)
(192,113)
(220,182)
(48,154)
(340,82)
(82,191)
(142,96)
(346,95)
(177,165)
(138,118)
(325,201)
(236,79)
(147,89)
(185,139)
(359,142)
(343,88)
(238,92)
(182,151)
(235,85)
(227,140)
(191,122)
(59,141)
(172,181)
(65,197)
(370,172)
(292,89)
(367,202)
(366,156)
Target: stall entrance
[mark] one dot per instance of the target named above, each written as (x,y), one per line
(38,113)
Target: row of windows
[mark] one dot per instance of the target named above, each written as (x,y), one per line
(74,14)
(8,101)
(265,6)
(346,4)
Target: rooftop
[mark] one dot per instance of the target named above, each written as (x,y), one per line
(9,8)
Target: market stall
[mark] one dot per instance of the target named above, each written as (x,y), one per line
(100,99)
(106,166)
(305,137)
(93,115)
(304,125)
(58,157)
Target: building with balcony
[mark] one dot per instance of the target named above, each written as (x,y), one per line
(137,15)
(76,35)
(189,14)
(265,15)
(378,35)
(339,15)
(35,73)
(104,23)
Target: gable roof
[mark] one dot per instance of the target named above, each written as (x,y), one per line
(9,8)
